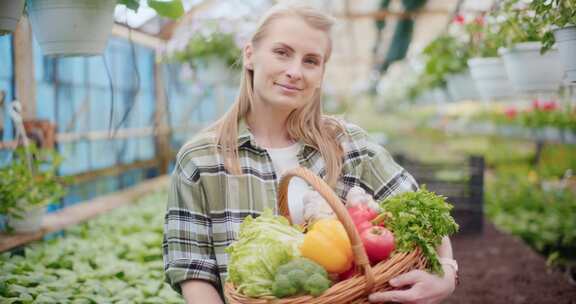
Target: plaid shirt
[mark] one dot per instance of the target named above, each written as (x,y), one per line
(206,204)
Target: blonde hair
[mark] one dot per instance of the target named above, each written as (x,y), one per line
(306,123)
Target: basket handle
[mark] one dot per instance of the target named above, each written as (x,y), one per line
(360,256)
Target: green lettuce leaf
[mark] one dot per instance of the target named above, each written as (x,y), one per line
(264,243)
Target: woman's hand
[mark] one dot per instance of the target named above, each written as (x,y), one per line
(424,288)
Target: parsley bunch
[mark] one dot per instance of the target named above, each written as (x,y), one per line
(420,219)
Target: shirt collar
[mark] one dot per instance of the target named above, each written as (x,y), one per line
(246,137)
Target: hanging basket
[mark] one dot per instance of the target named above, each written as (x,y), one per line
(566,42)
(71,27)
(353,290)
(10,12)
(530,71)
(490,77)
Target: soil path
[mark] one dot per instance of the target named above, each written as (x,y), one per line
(496,267)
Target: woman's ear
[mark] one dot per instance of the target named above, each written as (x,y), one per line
(248,56)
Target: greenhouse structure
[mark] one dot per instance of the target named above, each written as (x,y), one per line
(280,151)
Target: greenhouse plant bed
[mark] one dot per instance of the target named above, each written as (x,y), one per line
(79,213)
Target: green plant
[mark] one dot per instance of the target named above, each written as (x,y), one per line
(114,258)
(542,218)
(484,37)
(25,184)
(518,23)
(172,9)
(559,13)
(445,55)
(217,44)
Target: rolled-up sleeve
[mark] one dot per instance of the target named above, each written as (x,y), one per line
(187,246)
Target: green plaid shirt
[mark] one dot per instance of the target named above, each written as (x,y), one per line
(206,204)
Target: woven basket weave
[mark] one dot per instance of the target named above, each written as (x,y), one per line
(353,290)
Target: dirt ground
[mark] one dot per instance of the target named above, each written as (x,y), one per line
(495,267)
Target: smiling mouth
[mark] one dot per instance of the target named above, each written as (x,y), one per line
(288,87)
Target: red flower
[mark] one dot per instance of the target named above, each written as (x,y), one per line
(511,113)
(549,106)
(459,19)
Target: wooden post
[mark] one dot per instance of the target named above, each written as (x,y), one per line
(24,68)
(476,184)
(163,132)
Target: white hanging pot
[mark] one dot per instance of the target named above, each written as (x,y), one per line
(461,86)
(566,43)
(31,220)
(10,13)
(213,70)
(71,27)
(490,77)
(529,71)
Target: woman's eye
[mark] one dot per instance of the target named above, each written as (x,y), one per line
(311,61)
(281,52)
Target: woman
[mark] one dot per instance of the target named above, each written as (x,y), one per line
(232,169)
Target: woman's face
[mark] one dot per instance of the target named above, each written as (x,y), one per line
(288,63)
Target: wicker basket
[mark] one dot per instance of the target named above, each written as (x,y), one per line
(352,290)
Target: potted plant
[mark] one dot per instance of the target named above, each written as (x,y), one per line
(486,67)
(446,65)
(27,185)
(562,15)
(10,12)
(527,68)
(82,27)
(211,55)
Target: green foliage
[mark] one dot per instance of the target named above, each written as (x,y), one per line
(520,24)
(300,276)
(24,185)
(115,258)
(559,13)
(216,45)
(484,37)
(445,55)
(420,219)
(172,9)
(543,218)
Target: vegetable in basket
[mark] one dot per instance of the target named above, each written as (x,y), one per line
(264,243)
(420,218)
(300,276)
(327,244)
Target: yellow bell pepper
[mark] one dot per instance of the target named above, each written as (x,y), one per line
(327,244)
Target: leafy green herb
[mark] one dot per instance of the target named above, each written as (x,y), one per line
(420,219)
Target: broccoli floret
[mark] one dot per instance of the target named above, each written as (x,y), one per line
(316,284)
(298,276)
(284,287)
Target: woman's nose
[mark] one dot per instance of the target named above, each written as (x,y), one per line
(294,71)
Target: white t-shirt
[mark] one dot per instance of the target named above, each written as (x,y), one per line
(284,159)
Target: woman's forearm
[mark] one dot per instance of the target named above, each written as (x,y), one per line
(445,249)
(200,292)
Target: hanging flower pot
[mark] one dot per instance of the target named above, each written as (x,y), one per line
(490,77)
(213,70)
(10,12)
(530,71)
(71,27)
(566,43)
(461,86)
